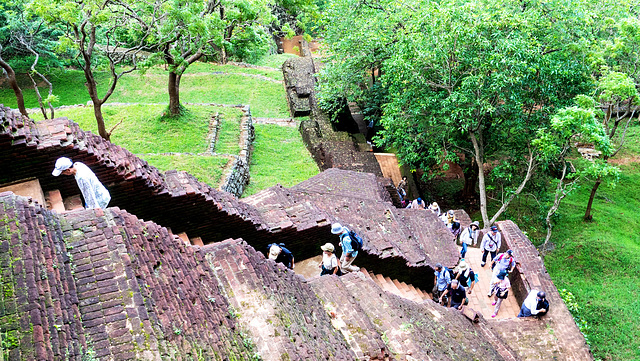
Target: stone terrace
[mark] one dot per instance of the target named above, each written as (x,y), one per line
(128,289)
(177,300)
(399,243)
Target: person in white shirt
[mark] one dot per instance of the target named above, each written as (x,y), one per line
(329,263)
(94,193)
(469,237)
(490,244)
(535,304)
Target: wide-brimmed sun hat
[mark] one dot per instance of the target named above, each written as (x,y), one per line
(336,228)
(327,247)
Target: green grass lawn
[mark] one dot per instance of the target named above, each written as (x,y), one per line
(207,169)
(599,262)
(145,130)
(279,156)
(266,98)
(229,134)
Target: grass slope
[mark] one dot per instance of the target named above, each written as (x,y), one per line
(202,83)
(599,262)
(279,156)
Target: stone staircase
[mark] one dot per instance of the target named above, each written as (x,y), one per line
(398,288)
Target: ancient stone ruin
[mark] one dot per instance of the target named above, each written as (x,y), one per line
(121,284)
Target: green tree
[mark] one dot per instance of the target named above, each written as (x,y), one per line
(95,32)
(555,143)
(194,29)
(619,96)
(475,78)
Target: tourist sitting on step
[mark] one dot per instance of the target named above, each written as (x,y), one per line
(94,193)
(469,237)
(418,203)
(490,244)
(500,291)
(329,263)
(349,253)
(503,262)
(442,281)
(457,295)
(279,253)
(535,304)
(435,208)
(465,275)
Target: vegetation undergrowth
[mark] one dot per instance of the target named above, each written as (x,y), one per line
(279,156)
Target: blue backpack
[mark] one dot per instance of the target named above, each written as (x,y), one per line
(356,241)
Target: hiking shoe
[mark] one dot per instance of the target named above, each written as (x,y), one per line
(482,264)
(494,315)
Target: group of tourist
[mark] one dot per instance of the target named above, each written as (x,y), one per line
(452,286)
(350,243)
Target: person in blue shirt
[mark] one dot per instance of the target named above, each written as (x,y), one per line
(348,253)
(442,281)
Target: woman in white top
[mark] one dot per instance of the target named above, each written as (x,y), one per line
(329,263)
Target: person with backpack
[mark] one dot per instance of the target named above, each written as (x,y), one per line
(490,244)
(329,263)
(279,253)
(350,246)
(457,295)
(465,276)
(503,262)
(442,281)
(500,291)
(435,208)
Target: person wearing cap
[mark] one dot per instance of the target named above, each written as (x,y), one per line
(94,193)
(469,237)
(329,263)
(503,262)
(536,304)
(442,281)
(490,244)
(418,203)
(435,208)
(500,291)
(348,253)
(457,295)
(279,253)
(465,275)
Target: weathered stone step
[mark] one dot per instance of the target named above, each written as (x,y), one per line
(398,288)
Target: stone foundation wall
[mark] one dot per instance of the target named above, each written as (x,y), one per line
(238,177)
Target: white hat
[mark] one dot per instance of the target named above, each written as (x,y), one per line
(462,265)
(337,228)
(62,164)
(327,247)
(274,251)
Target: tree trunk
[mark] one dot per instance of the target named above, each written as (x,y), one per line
(97,111)
(14,85)
(587,214)
(479,157)
(174,93)
(470,171)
